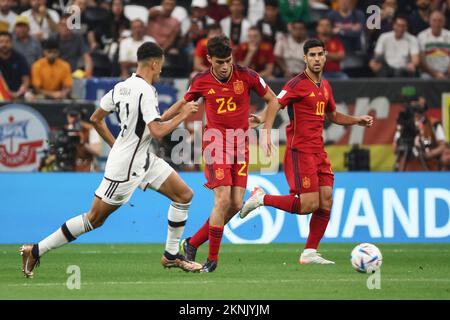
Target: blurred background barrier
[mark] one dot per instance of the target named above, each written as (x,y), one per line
(378,207)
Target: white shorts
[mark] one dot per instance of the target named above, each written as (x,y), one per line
(117,193)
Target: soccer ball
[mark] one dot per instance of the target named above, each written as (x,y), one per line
(366,258)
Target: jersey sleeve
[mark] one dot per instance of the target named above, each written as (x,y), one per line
(149,106)
(257,83)
(287,96)
(193,92)
(107,102)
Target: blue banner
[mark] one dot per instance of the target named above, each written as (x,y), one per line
(367,207)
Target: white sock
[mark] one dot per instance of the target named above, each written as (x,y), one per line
(177,216)
(308,251)
(68,232)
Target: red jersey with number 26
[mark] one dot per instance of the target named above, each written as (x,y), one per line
(227,104)
(307,104)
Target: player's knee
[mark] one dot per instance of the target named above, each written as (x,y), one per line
(222,205)
(186,196)
(312,206)
(95,220)
(235,206)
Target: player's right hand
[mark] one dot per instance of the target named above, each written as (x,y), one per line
(189,108)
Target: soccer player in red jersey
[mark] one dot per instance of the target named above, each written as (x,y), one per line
(225,88)
(308,171)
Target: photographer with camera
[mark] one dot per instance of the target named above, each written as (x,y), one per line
(419,140)
(74,147)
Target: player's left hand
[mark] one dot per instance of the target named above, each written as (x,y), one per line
(365,121)
(254,121)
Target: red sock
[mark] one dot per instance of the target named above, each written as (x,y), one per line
(317,227)
(215,237)
(201,236)
(288,203)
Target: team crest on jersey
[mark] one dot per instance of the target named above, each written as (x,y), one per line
(306,182)
(325,92)
(220,174)
(238,87)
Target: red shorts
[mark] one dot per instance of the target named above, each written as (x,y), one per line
(233,171)
(306,172)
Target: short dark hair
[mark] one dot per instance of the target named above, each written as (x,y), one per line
(50,44)
(401,16)
(213,26)
(271,3)
(6,34)
(312,43)
(219,47)
(149,50)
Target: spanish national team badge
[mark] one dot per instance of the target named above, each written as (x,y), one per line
(306,182)
(238,87)
(325,92)
(219,174)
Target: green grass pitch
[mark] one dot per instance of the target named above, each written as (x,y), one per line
(409,271)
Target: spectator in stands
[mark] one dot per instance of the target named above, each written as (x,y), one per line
(23,42)
(82,4)
(288,50)
(120,23)
(396,52)
(419,18)
(43,20)
(348,25)
(129,46)
(334,48)
(388,13)
(7,16)
(162,27)
(236,25)
(271,25)
(72,47)
(20,6)
(256,10)
(217,10)
(434,44)
(256,54)
(444,7)
(201,63)
(13,67)
(294,10)
(198,23)
(51,76)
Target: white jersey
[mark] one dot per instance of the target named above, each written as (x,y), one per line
(136,104)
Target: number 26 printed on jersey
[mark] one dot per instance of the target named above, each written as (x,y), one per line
(230,105)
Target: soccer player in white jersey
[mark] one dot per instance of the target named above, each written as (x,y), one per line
(130,164)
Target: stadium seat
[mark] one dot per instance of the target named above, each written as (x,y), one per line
(133,12)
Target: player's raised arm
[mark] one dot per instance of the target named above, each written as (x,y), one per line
(159,129)
(347,120)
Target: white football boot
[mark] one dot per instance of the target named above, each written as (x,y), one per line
(256,200)
(310,256)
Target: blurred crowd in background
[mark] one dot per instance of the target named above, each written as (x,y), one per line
(101,37)
(45,44)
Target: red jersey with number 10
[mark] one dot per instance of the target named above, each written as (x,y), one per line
(227,104)
(307,104)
